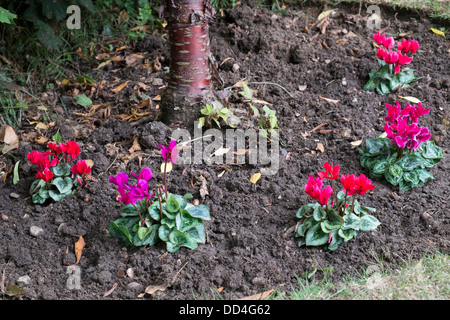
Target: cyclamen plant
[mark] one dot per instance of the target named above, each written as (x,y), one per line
(57,178)
(339,221)
(402,154)
(152,215)
(390,76)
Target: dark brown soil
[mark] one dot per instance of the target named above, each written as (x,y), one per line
(251,246)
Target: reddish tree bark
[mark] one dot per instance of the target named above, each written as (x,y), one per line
(191,62)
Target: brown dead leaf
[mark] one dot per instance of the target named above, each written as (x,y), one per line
(151,290)
(120,87)
(323,24)
(135,146)
(259,296)
(325,131)
(143,104)
(9,137)
(41,140)
(79,245)
(320,147)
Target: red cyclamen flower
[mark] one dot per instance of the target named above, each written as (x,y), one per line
(34,157)
(71,148)
(81,168)
(330,172)
(363,185)
(57,148)
(46,175)
(349,183)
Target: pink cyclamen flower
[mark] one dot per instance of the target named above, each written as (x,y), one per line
(169,153)
(401,126)
(381,53)
(388,43)
(403,59)
(408,45)
(379,38)
(313,187)
(45,175)
(145,174)
(120,180)
(397,68)
(324,195)
(391,57)
(413,46)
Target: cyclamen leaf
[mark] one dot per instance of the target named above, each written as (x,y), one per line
(352,221)
(201,211)
(172,204)
(315,236)
(182,239)
(64,185)
(368,222)
(346,234)
(163,232)
(319,213)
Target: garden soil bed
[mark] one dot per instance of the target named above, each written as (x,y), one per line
(250,246)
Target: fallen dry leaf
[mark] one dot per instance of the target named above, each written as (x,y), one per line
(9,137)
(135,146)
(120,87)
(79,245)
(153,289)
(255,177)
(320,147)
(169,166)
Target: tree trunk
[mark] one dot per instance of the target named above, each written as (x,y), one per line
(191,62)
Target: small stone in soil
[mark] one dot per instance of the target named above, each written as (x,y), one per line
(23,281)
(36,231)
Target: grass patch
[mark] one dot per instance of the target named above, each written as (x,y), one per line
(427,279)
(433,8)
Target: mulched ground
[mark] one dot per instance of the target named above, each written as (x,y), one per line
(251,246)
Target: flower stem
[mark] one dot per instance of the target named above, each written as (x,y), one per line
(165,183)
(158,193)
(139,213)
(353,203)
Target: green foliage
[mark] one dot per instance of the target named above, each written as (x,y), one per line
(268,122)
(6,16)
(324,226)
(384,81)
(56,189)
(175,222)
(216,112)
(407,171)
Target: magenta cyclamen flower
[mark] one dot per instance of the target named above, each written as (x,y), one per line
(145,174)
(401,126)
(169,153)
